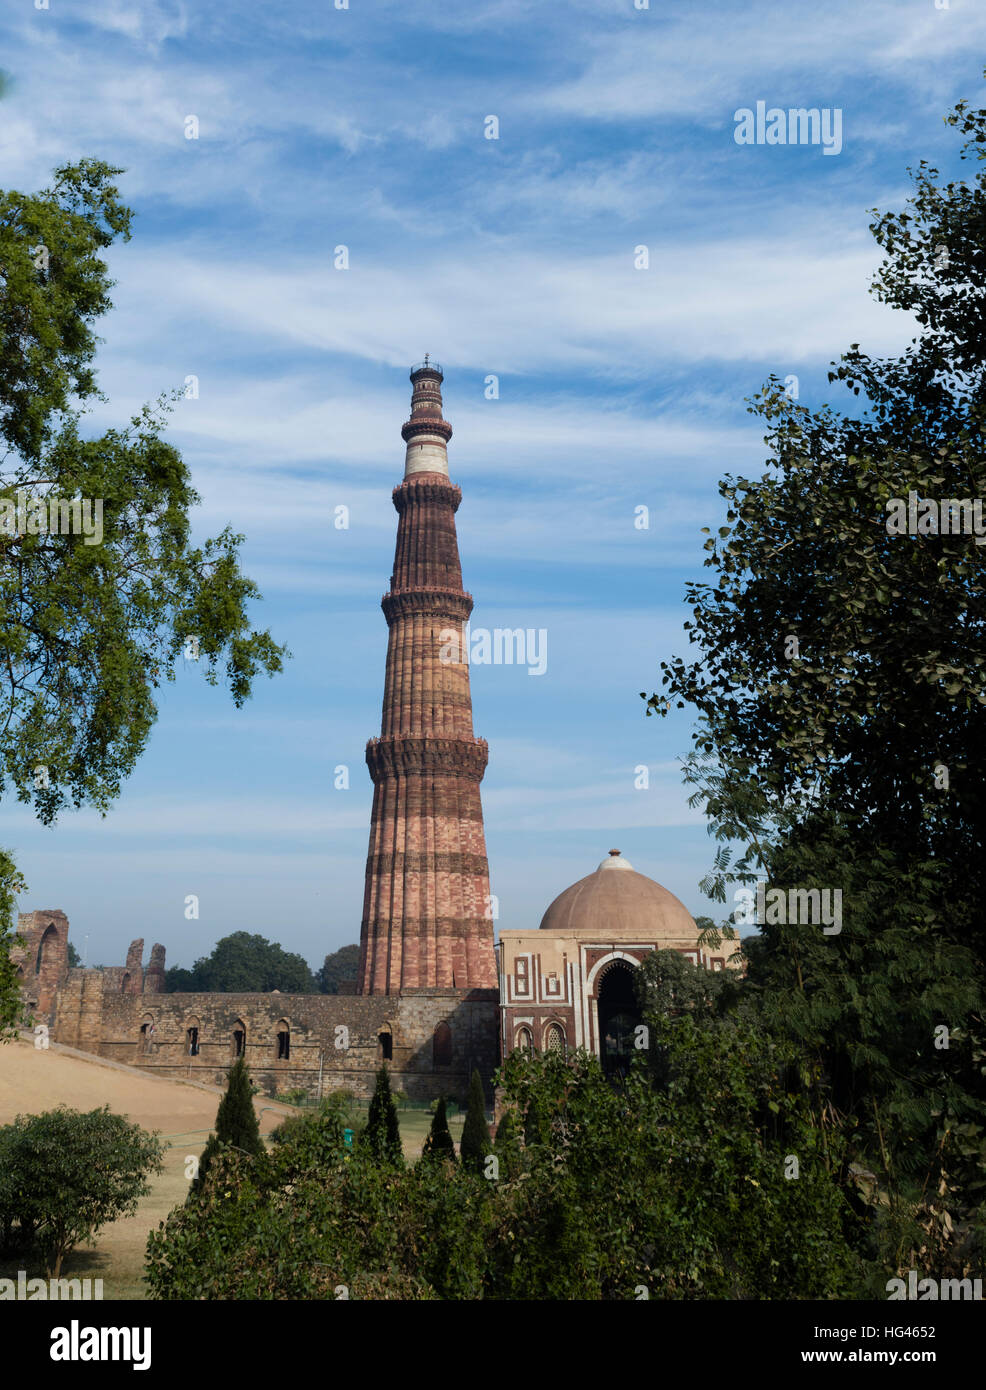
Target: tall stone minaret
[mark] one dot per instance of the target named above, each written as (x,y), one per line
(426,909)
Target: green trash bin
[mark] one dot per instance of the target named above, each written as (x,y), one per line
(347,1137)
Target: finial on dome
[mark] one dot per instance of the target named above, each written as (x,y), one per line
(615,861)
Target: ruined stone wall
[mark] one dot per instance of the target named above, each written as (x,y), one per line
(122,1013)
(344,1035)
(41,963)
(80,1009)
(43,970)
(154,974)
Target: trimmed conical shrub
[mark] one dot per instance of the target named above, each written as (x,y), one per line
(439,1143)
(236,1121)
(534,1126)
(507,1144)
(383,1133)
(475,1133)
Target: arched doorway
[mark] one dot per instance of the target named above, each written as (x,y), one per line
(46,946)
(47,968)
(618,1017)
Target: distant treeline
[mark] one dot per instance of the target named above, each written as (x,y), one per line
(245,964)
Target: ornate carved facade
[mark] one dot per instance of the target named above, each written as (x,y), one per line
(569,984)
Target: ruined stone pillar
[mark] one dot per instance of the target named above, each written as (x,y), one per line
(154,974)
(133,980)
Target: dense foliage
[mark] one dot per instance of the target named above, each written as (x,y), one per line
(339,967)
(841,742)
(65,1174)
(11,884)
(93,617)
(244,964)
(237,1126)
(475,1143)
(623,1194)
(383,1134)
(439,1144)
(92,624)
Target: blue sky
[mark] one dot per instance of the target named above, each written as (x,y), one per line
(514,257)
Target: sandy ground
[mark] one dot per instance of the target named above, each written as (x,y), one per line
(32,1080)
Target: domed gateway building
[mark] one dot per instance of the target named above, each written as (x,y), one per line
(570,983)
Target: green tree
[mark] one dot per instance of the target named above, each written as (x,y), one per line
(841,739)
(534,1124)
(93,620)
(433,1230)
(475,1143)
(339,967)
(68,1173)
(51,301)
(383,1133)
(310,1142)
(11,884)
(237,1126)
(439,1142)
(244,964)
(178,980)
(507,1146)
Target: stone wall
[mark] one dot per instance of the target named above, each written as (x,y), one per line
(345,1037)
(41,963)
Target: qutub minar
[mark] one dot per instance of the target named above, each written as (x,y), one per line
(427,918)
(434,998)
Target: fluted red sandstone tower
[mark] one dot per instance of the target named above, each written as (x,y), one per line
(426,910)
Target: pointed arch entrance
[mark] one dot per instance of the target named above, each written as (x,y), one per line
(618,1016)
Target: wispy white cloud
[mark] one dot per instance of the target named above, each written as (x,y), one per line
(786,298)
(695,62)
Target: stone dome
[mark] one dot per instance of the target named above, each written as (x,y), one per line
(616,897)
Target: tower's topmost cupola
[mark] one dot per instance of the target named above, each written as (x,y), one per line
(427,366)
(426,433)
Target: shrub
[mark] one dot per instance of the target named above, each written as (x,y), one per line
(65,1174)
